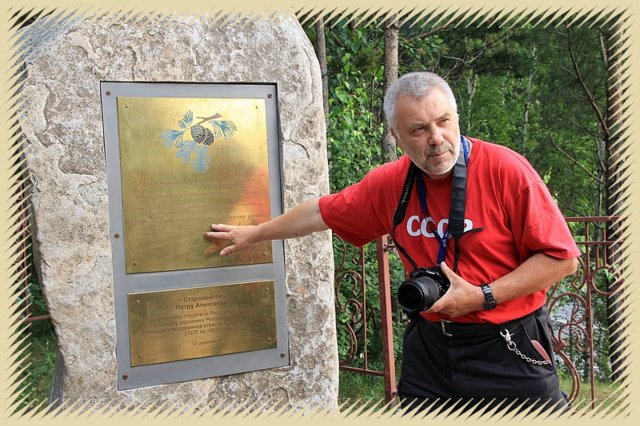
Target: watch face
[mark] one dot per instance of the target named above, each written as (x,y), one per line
(489,305)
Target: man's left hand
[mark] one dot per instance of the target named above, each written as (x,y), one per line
(461,298)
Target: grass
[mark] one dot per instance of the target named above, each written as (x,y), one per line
(41,358)
(605,394)
(356,387)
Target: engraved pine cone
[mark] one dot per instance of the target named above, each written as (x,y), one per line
(202,134)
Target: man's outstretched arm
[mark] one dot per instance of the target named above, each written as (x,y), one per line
(302,220)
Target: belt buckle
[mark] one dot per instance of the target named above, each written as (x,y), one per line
(445,329)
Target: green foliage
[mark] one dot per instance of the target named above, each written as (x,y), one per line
(40,360)
(420,53)
(355,101)
(349,295)
(494,116)
(357,386)
(572,318)
(527,96)
(39,349)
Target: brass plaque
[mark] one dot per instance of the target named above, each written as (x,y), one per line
(187,163)
(174,325)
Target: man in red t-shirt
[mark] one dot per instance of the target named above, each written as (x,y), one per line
(487,336)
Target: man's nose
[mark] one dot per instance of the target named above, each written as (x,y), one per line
(435,137)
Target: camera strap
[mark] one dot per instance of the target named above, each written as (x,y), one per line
(455,228)
(401,210)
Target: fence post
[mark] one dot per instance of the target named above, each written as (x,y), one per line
(384,284)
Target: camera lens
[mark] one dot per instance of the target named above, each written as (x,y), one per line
(418,293)
(410,296)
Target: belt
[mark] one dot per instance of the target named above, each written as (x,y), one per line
(465,330)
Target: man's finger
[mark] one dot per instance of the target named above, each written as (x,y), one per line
(228,250)
(216,235)
(447,271)
(435,307)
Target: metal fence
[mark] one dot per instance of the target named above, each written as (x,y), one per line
(585,309)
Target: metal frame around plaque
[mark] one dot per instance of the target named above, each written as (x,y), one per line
(179,157)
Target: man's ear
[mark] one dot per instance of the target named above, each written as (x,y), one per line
(393,133)
(396,138)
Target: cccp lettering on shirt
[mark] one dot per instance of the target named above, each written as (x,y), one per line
(415,227)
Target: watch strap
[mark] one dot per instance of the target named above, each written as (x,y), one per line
(489,300)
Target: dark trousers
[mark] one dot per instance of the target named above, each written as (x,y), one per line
(457,365)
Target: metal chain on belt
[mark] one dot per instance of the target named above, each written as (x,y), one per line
(511,345)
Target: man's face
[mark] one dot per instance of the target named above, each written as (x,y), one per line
(427,130)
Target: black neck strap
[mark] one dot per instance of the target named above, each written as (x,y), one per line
(456,213)
(458,198)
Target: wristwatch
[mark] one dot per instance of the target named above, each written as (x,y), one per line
(489,300)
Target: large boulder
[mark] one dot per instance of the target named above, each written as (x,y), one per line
(61,118)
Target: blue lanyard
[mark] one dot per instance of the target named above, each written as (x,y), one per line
(422,192)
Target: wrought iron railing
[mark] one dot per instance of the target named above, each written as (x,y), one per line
(581,330)
(354,313)
(585,307)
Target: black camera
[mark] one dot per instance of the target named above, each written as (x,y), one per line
(422,289)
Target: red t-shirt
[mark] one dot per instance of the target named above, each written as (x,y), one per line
(505,196)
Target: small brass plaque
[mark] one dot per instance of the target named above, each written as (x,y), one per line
(187,163)
(174,325)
